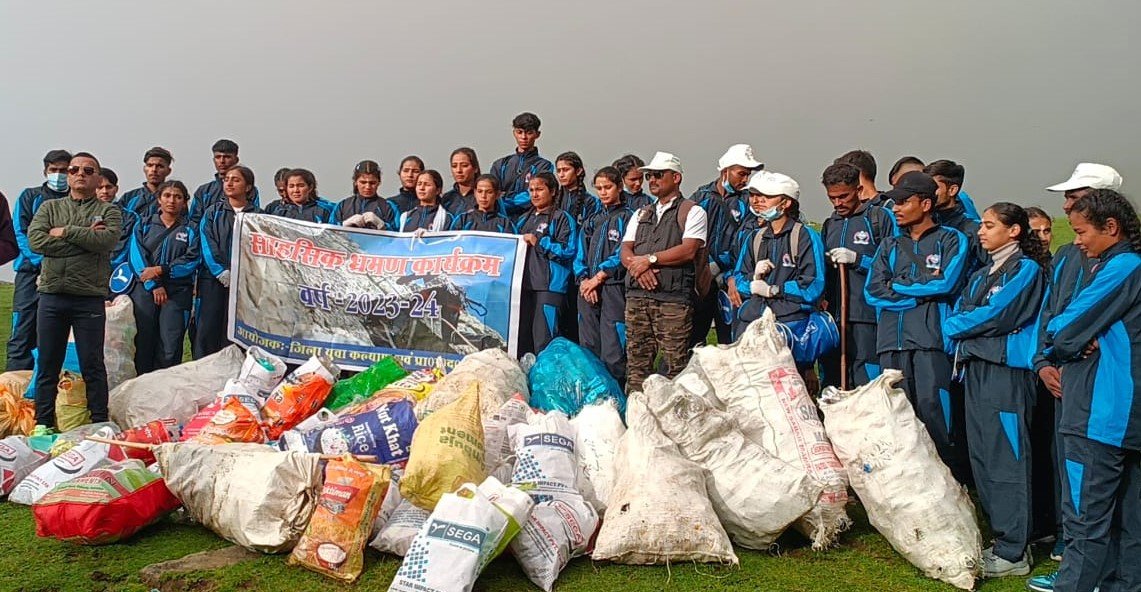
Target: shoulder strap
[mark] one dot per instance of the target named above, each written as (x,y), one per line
(683,209)
(794,240)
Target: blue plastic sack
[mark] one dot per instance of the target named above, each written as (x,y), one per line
(70,363)
(813,337)
(567,376)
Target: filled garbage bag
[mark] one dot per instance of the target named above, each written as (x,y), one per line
(261,371)
(152,432)
(71,402)
(234,422)
(119,341)
(497,374)
(756,495)
(76,462)
(299,396)
(398,532)
(909,494)
(598,430)
(545,457)
(106,505)
(385,432)
(499,452)
(447,451)
(249,494)
(17,414)
(364,385)
(559,529)
(177,392)
(334,540)
(660,511)
(17,460)
(567,376)
(755,379)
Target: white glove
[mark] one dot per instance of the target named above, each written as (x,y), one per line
(355,221)
(762,269)
(763,289)
(419,233)
(371,220)
(224,278)
(840,255)
(714,269)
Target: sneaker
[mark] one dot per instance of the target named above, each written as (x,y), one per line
(1056,552)
(1042,583)
(997,567)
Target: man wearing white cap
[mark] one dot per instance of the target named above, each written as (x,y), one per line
(1071,271)
(725,203)
(663,251)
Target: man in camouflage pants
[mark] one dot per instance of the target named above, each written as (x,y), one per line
(658,250)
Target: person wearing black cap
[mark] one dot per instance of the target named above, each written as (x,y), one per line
(25,298)
(143,201)
(914,280)
(225,157)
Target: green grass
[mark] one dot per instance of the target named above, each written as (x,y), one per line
(863,561)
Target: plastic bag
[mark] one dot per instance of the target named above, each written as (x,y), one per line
(498,375)
(242,393)
(71,402)
(463,534)
(104,506)
(560,528)
(661,512)
(17,460)
(364,385)
(447,451)
(392,499)
(545,458)
(119,341)
(261,371)
(248,494)
(153,432)
(400,529)
(567,376)
(414,387)
(17,414)
(598,429)
(756,495)
(234,422)
(200,420)
(76,462)
(385,432)
(756,381)
(499,452)
(299,395)
(909,494)
(333,543)
(178,392)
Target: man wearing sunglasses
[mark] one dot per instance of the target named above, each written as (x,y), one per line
(664,252)
(75,235)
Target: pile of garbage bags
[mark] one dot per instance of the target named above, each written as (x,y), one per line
(449,470)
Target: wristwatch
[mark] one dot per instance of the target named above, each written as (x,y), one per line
(653,259)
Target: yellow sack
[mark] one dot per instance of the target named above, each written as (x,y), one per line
(16,381)
(447,451)
(71,403)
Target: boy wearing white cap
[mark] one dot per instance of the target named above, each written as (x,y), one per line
(663,252)
(725,203)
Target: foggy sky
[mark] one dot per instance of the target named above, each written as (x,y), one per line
(1017,92)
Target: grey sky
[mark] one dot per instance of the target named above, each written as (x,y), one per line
(1018,92)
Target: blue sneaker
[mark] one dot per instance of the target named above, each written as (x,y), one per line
(1042,583)
(1056,553)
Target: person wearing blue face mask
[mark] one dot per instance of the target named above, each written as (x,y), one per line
(25,298)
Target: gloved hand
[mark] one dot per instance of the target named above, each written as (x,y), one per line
(224,278)
(841,255)
(714,269)
(762,269)
(419,233)
(763,289)
(371,220)
(355,221)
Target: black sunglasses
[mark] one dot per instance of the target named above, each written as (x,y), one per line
(656,174)
(87,170)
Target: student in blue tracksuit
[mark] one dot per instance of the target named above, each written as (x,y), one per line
(950,209)
(215,233)
(516,170)
(301,201)
(602,278)
(904,165)
(465,170)
(405,199)
(485,216)
(573,197)
(25,297)
(915,279)
(164,255)
(866,163)
(721,200)
(365,208)
(851,236)
(225,157)
(551,238)
(630,167)
(143,201)
(428,215)
(1096,343)
(278,182)
(106,193)
(781,266)
(993,327)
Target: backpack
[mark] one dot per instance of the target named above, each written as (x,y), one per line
(793,242)
(702,277)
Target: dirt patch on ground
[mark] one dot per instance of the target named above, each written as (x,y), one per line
(166,576)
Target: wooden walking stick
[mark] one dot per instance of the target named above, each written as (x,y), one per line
(843,326)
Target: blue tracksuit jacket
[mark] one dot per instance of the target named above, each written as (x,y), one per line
(514,172)
(27,204)
(600,245)
(548,265)
(176,249)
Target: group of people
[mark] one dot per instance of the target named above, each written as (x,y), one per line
(1007,353)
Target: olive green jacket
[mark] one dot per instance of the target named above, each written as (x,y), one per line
(79,262)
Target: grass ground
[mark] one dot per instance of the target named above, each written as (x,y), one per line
(863,561)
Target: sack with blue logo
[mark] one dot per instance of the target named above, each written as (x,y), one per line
(811,338)
(567,376)
(385,432)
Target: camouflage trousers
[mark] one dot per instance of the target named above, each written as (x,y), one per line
(654,327)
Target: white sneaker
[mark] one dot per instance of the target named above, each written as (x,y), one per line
(997,567)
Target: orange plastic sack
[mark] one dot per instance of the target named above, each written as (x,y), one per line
(17,414)
(333,543)
(300,395)
(158,431)
(233,423)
